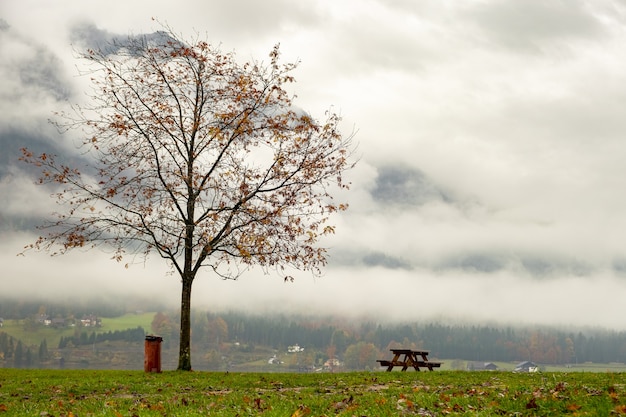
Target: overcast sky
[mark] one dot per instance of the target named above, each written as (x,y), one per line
(491,135)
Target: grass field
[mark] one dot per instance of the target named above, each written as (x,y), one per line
(134,393)
(127,321)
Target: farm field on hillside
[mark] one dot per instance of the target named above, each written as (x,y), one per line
(127,321)
(17,328)
(134,393)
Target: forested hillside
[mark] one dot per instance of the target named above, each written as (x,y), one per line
(235,337)
(470,342)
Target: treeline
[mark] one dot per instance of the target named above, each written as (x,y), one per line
(470,342)
(21,355)
(328,336)
(15,353)
(128,335)
(542,345)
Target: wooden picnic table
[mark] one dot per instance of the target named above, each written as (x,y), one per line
(408,357)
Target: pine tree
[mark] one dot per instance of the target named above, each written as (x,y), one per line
(18,355)
(44,355)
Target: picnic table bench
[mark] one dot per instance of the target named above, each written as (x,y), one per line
(408,357)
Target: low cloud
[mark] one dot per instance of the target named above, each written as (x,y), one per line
(375,259)
(490,136)
(406,186)
(89,36)
(538,266)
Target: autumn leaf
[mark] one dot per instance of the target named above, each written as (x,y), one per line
(404,403)
(573,407)
(532,404)
(157,407)
(301,411)
(3,408)
(343,403)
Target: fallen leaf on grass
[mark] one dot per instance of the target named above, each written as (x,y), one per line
(343,403)
(157,407)
(301,411)
(531,404)
(573,407)
(260,405)
(3,407)
(404,403)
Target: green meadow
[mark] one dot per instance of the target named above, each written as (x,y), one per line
(52,335)
(135,393)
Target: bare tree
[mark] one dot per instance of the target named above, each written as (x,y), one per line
(199,158)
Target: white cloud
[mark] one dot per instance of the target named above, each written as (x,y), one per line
(532,24)
(497,125)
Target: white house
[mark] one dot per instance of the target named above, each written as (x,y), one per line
(295,349)
(526,366)
(274,360)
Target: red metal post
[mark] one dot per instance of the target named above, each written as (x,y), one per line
(152,354)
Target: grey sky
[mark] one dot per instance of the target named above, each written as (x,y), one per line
(491,180)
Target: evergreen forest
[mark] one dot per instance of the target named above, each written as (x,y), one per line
(356,342)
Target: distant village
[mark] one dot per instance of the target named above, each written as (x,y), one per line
(329,365)
(87,320)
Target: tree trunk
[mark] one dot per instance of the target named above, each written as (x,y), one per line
(184,354)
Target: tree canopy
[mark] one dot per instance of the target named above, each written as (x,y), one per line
(199,158)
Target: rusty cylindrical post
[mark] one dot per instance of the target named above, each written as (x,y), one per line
(152,354)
